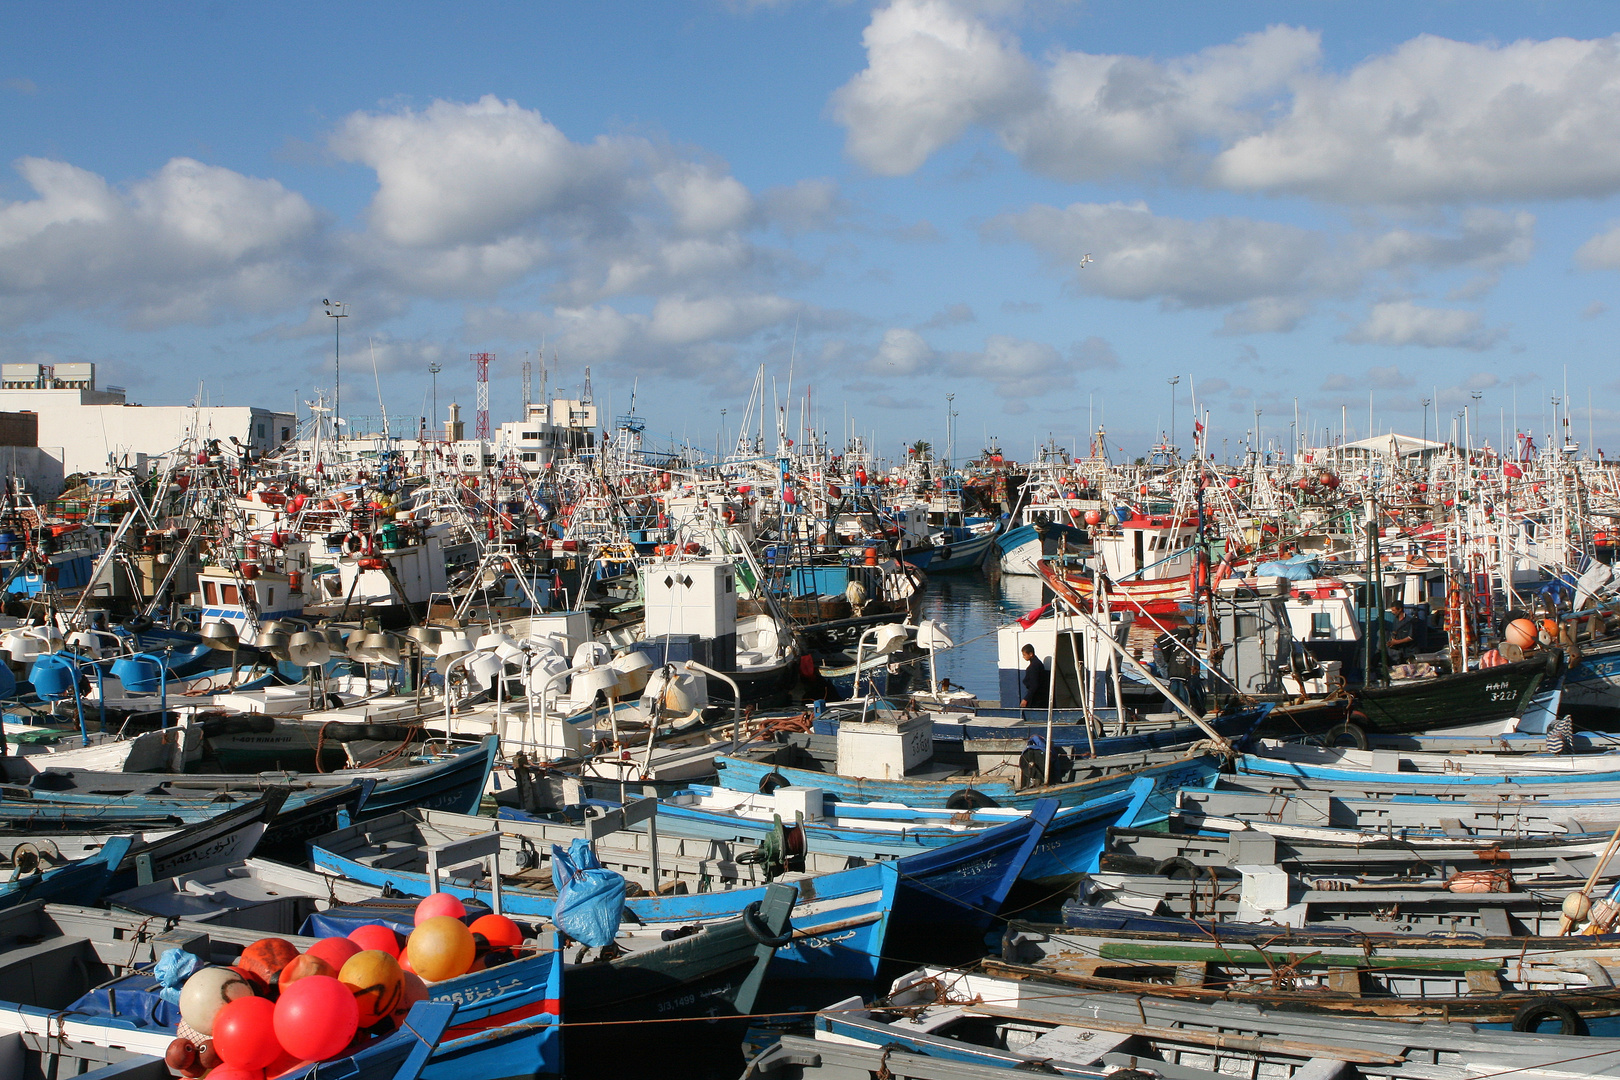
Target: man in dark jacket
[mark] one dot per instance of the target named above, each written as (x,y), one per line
(1036,681)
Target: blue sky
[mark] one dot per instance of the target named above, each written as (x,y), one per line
(1327,204)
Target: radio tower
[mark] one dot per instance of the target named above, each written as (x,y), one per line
(482,359)
(527,396)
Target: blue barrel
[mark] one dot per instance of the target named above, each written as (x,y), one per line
(1122,514)
(8,540)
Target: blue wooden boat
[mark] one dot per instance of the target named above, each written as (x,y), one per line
(1069,729)
(85,879)
(841,921)
(1070,847)
(453,781)
(953,793)
(1022,546)
(653,978)
(957,549)
(504,1022)
(1595,780)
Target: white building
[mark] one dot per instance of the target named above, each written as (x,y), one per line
(85,428)
(534,441)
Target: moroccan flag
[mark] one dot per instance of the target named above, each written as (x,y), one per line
(1034,617)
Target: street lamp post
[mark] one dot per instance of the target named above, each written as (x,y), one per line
(337,310)
(434,370)
(1174,381)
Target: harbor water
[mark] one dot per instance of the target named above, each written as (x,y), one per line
(972,607)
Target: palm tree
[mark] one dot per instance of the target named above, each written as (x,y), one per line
(921,448)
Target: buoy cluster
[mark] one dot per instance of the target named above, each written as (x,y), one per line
(277,1008)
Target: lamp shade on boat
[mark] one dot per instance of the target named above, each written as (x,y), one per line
(484,669)
(271,641)
(53,676)
(932,636)
(589,682)
(84,643)
(452,645)
(220,635)
(140,674)
(382,648)
(886,639)
(25,646)
(308,649)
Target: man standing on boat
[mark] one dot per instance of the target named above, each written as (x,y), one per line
(1178,663)
(1036,681)
(1403,640)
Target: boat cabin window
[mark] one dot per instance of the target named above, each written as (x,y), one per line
(1321,624)
(209,596)
(228,594)
(270,597)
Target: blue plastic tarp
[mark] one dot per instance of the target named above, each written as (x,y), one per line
(1298,568)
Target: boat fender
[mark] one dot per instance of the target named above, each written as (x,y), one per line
(138,623)
(1531,1015)
(755,925)
(771,781)
(968,799)
(1348,733)
(1176,868)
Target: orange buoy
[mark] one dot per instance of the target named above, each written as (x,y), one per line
(377,983)
(1521,632)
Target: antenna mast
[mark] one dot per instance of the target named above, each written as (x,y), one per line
(482,361)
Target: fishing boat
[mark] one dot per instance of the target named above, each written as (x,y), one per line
(454,780)
(957,887)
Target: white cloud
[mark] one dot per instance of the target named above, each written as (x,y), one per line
(1432,121)
(1138,255)
(1602,252)
(682,321)
(1401,322)
(704,200)
(1104,116)
(1014,367)
(472,197)
(902,352)
(182,245)
(932,70)
(1269,274)
(1443,121)
(470,173)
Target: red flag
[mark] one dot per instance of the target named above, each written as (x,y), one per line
(1034,617)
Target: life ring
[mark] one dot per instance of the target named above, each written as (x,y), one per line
(1530,1016)
(356,543)
(729,516)
(968,799)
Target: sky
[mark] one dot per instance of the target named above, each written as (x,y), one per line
(1048,209)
